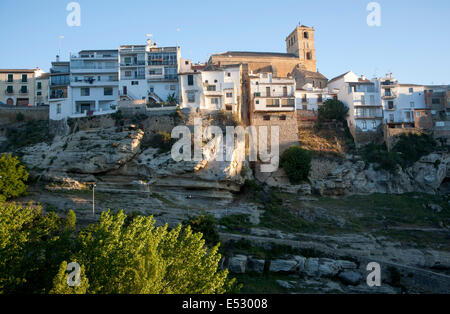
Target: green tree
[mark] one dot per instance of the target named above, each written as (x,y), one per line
(206,225)
(333,109)
(12,177)
(139,258)
(412,147)
(296,162)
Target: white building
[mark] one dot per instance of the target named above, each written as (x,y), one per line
(59,90)
(309,98)
(94,82)
(211,88)
(363,99)
(269,93)
(400,101)
(132,67)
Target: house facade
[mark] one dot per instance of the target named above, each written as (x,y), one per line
(19,87)
(362,97)
(272,103)
(212,88)
(94,82)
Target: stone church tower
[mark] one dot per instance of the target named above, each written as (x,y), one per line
(301,43)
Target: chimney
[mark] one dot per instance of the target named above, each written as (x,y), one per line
(363,77)
(57,58)
(149,42)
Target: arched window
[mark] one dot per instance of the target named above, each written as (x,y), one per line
(10,102)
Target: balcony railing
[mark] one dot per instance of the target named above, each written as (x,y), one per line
(132,64)
(389,95)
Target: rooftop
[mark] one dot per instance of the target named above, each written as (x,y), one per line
(256,54)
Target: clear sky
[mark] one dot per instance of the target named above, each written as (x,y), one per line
(413,41)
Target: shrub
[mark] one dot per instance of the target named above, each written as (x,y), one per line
(206,225)
(296,162)
(12,177)
(333,109)
(163,141)
(413,146)
(20,117)
(378,154)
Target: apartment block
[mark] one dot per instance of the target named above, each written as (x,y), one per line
(211,88)
(272,103)
(308,100)
(94,82)
(362,97)
(437,100)
(19,87)
(59,91)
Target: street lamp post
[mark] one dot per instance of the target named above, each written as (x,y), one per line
(93,186)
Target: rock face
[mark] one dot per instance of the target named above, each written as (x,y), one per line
(350,278)
(238,264)
(354,176)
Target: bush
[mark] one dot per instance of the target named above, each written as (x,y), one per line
(163,141)
(20,117)
(412,147)
(296,162)
(333,109)
(389,161)
(12,177)
(206,225)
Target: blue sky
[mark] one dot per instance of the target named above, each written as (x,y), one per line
(413,41)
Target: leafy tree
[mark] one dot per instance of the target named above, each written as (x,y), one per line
(412,147)
(163,141)
(12,177)
(296,162)
(140,258)
(206,225)
(333,109)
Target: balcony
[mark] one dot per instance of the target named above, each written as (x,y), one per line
(389,95)
(132,64)
(131,78)
(389,84)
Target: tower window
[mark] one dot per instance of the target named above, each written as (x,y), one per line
(305,35)
(308,56)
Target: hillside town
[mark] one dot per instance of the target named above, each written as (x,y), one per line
(283,89)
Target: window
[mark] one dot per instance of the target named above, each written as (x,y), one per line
(266,118)
(374,124)
(214,101)
(273,103)
(411,90)
(10,78)
(372,100)
(9,89)
(308,56)
(267,91)
(39,85)
(190,80)
(435,101)
(191,97)
(320,99)
(24,78)
(108,91)
(411,104)
(58,108)
(284,90)
(229,107)
(215,81)
(390,105)
(418,114)
(39,93)
(229,74)
(127,73)
(364,125)
(283,118)
(211,88)
(257,102)
(305,35)
(134,82)
(229,95)
(85,91)
(24,90)
(363,99)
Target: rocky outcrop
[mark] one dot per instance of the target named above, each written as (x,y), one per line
(354,176)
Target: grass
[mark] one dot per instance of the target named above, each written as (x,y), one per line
(262,284)
(324,142)
(236,222)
